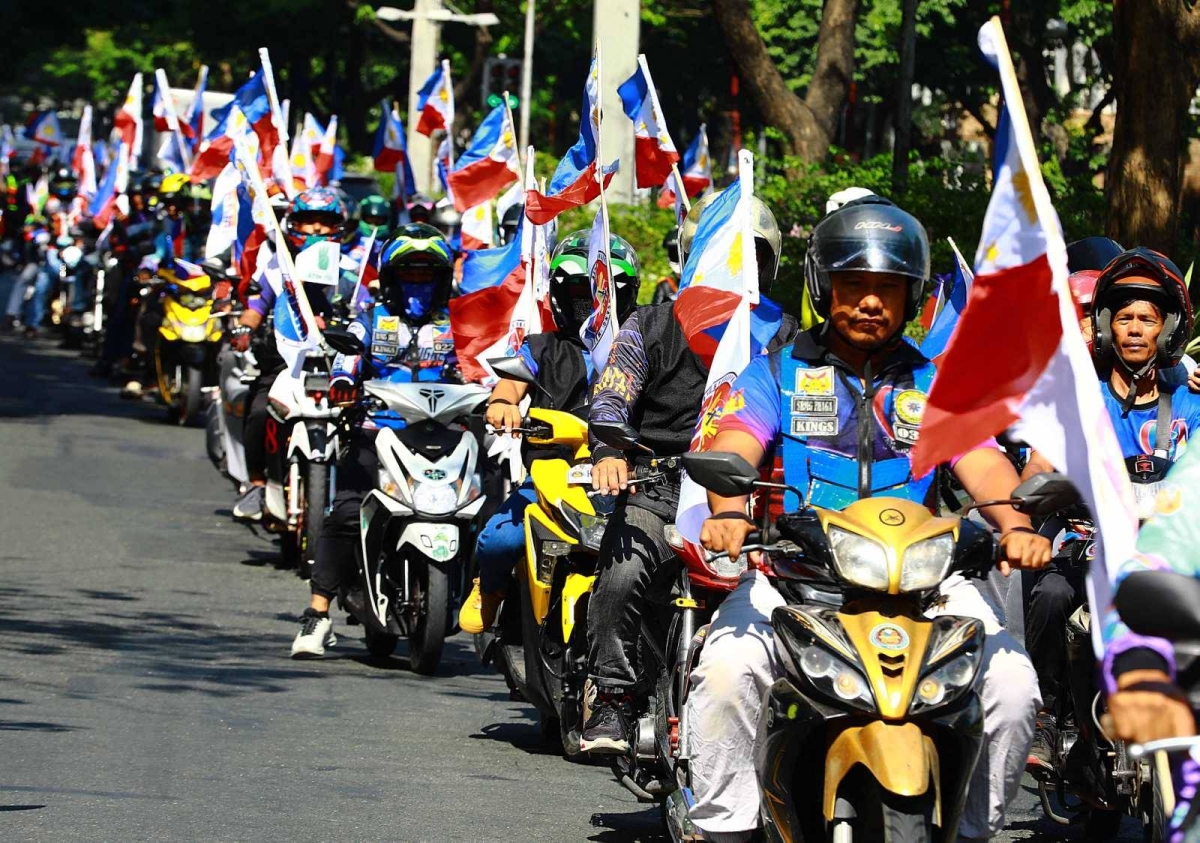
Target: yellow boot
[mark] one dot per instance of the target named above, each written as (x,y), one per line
(478,611)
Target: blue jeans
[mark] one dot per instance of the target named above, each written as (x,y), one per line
(502,540)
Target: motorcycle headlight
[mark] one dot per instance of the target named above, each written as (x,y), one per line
(589,529)
(926,563)
(192,301)
(435,499)
(389,486)
(946,683)
(859,561)
(835,678)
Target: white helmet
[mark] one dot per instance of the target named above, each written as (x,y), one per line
(840,198)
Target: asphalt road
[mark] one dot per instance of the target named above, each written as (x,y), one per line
(145,687)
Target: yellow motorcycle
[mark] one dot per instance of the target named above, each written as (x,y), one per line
(541,645)
(186,347)
(878,691)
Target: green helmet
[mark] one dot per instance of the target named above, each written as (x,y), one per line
(571,288)
(373,215)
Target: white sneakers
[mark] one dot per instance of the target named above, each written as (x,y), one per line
(316,633)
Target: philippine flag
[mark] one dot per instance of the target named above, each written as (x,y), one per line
(490,163)
(955,302)
(390,149)
(655,152)
(481,318)
(195,113)
(128,122)
(304,171)
(435,101)
(323,156)
(1035,373)
(83,162)
(115,180)
(574,182)
(43,129)
(249,110)
(696,171)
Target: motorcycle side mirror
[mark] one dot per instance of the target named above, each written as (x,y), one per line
(1045,494)
(1162,604)
(516,369)
(344,342)
(726,474)
(617,435)
(513,369)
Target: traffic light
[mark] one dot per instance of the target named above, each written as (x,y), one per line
(500,74)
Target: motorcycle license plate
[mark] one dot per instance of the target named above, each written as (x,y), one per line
(580,475)
(316,383)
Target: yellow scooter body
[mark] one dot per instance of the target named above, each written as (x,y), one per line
(189,324)
(550,482)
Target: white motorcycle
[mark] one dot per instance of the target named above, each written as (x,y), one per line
(307,443)
(416,526)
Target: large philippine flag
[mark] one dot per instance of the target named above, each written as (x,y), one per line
(1032,373)
(253,102)
(655,152)
(490,163)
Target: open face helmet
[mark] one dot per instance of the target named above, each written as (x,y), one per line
(768,242)
(867,235)
(1141,275)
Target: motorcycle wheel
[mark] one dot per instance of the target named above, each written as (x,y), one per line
(1102,825)
(380,644)
(289,549)
(425,644)
(166,383)
(886,817)
(316,496)
(191,405)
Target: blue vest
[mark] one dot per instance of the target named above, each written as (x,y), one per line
(820,415)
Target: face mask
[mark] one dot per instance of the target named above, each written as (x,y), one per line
(581,311)
(418,299)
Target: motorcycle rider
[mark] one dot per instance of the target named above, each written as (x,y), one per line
(315,215)
(370,225)
(654,382)
(407,334)
(865,270)
(668,286)
(1141,319)
(564,368)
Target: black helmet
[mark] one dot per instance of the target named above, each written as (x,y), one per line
(571,287)
(1092,253)
(510,222)
(868,235)
(670,245)
(416,270)
(1142,275)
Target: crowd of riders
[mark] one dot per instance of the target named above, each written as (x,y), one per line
(838,384)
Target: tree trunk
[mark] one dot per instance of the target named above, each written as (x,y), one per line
(809,123)
(1155,74)
(908,58)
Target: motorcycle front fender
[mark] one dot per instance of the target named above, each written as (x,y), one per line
(376,511)
(898,755)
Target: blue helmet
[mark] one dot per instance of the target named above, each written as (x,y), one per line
(320,205)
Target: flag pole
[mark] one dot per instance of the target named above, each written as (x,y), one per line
(513,126)
(286,265)
(679,187)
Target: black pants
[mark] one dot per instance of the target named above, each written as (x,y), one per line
(264,435)
(357,472)
(1058,590)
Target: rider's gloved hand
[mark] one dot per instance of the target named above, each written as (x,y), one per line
(239,337)
(342,391)
(610,475)
(503,415)
(1024,549)
(726,533)
(1148,707)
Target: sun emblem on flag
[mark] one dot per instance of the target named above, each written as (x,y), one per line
(392,134)
(443,94)
(1024,193)
(734,262)
(702,161)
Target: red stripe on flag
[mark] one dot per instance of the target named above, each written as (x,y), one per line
(699,309)
(476,183)
(653,162)
(1005,339)
(431,119)
(541,209)
(478,320)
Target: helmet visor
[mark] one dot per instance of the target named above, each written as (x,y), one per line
(871,246)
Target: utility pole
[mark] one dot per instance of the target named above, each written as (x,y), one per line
(908,59)
(615,24)
(527,74)
(427,18)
